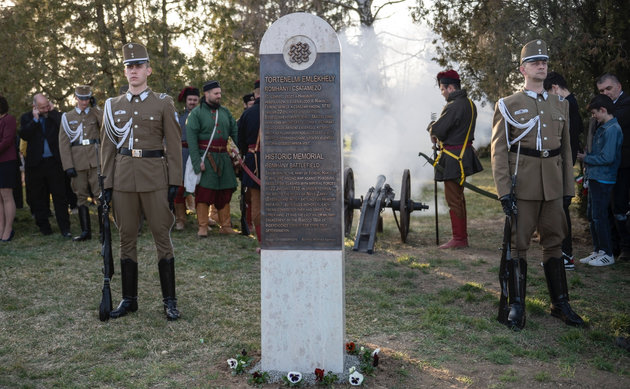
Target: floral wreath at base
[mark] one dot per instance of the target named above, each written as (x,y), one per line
(368,361)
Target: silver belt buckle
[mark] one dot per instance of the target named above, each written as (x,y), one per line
(136,153)
(544,153)
(85,142)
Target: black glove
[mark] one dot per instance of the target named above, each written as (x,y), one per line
(106,196)
(508,202)
(172,192)
(566,201)
(71,172)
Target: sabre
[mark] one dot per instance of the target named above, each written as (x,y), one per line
(466,184)
(234,153)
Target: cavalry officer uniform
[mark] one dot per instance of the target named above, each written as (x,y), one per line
(78,144)
(249,145)
(455,130)
(218,181)
(142,165)
(530,139)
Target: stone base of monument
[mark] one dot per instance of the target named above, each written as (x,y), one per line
(302,310)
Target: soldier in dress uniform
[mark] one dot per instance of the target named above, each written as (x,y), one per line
(455,132)
(77,143)
(142,165)
(530,140)
(218,180)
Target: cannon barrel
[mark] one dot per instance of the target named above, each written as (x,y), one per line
(376,199)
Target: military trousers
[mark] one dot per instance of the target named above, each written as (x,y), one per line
(85,185)
(128,208)
(545,216)
(454,194)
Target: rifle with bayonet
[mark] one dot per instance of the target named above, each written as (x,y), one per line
(106,248)
(512,271)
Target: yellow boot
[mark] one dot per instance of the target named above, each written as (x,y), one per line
(225,221)
(180,216)
(213,216)
(202,220)
(190,203)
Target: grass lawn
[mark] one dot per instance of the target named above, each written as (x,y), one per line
(432,312)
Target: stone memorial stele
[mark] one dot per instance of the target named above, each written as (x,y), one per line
(302,263)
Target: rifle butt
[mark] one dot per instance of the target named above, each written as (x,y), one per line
(106,302)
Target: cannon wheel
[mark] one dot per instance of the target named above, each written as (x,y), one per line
(405,211)
(348,197)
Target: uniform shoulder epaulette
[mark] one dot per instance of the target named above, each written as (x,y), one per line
(162,96)
(116,99)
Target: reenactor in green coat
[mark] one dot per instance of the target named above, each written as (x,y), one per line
(208,127)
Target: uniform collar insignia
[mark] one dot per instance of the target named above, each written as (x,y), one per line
(143,95)
(87,110)
(534,95)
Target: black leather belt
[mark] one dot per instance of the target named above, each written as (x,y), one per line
(139,153)
(84,142)
(536,153)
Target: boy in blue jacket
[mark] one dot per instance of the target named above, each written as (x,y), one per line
(601,163)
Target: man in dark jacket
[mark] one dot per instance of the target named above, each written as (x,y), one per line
(556,84)
(609,85)
(249,145)
(44,173)
(455,132)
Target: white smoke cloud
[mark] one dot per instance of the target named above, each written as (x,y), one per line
(389,92)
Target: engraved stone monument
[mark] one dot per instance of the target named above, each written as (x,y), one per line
(302,263)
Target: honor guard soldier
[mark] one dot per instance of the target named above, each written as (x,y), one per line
(533,172)
(77,143)
(454,130)
(142,165)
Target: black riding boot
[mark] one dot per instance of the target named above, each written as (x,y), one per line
(167,281)
(129,279)
(559,293)
(86,229)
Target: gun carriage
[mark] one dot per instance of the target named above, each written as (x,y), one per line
(376,199)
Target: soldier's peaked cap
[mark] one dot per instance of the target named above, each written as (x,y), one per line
(535,50)
(83,92)
(134,54)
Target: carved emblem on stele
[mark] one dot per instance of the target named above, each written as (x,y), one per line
(299,52)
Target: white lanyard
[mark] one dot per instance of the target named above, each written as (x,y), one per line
(72,134)
(527,127)
(113,131)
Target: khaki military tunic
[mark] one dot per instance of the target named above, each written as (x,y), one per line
(81,154)
(541,181)
(139,181)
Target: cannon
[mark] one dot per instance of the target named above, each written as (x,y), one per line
(375,201)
